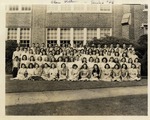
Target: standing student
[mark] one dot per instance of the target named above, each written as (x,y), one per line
(138,65)
(84,72)
(63,72)
(21,75)
(16,53)
(74,73)
(124,72)
(116,73)
(15,66)
(133,73)
(106,73)
(96,72)
(53,72)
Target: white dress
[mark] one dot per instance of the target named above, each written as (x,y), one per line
(133,74)
(63,74)
(124,75)
(84,73)
(30,72)
(116,75)
(53,74)
(106,75)
(21,74)
(74,74)
(45,73)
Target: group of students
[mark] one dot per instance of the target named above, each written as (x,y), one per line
(95,63)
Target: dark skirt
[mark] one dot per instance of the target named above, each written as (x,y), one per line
(15,71)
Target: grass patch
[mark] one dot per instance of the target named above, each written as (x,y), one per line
(123,105)
(39,86)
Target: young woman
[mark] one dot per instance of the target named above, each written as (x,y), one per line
(45,73)
(133,73)
(63,72)
(59,62)
(32,60)
(116,73)
(111,62)
(53,72)
(30,71)
(84,72)
(138,65)
(24,60)
(96,72)
(130,62)
(15,66)
(91,64)
(74,73)
(106,73)
(40,61)
(124,72)
(22,73)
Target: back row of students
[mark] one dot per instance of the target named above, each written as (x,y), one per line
(91,57)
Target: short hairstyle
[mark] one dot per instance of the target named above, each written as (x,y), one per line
(83,65)
(107,65)
(30,64)
(124,65)
(23,64)
(23,57)
(54,65)
(104,58)
(74,65)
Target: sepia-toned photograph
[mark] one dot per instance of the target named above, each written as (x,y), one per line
(69,58)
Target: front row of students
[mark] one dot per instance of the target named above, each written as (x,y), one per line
(74,73)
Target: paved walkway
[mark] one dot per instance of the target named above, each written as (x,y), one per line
(70,95)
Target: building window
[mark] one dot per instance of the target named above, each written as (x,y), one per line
(78,34)
(12,34)
(145,27)
(13,8)
(126,19)
(18,8)
(105,32)
(25,37)
(52,42)
(78,43)
(65,34)
(52,34)
(24,43)
(91,33)
(66,42)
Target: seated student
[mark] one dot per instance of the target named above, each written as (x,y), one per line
(46,60)
(116,73)
(37,72)
(84,73)
(108,56)
(117,55)
(44,55)
(57,54)
(40,61)
(103,63)
(45,73)
(101,56)
(133,55)
(97,52)
(84,60)
(59,62)
(105,52)
(74,73)
(105,48)
(124,72)
(32,60)
(53,72)
(130,61)
(15,66)
(30,54)
(53,60)
(24,60)
(22,73)
(111,48)
(78,62)
(37,54)
(96,72)
(106,74)
(130,48)
(134,73)
(111,62)
(63,72)
(99,47)
(124,48)
(90,64)
(123,61)
(124,55)
(93,54)
(30,71)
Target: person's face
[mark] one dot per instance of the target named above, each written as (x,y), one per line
(40,58)
(95,66)
(71,59)
(86,52)
(105,46)
(116,67)
(84,66)
(118,45)
(63,65)
(23,66)
(17,49)
(136,60)
(91,59)
(124,66)
(111,46)
(133,66)
(32,58)
(109,53)
(53,66)
(104,60)
(111,59)
(106,66)
(124,55)
(36,66)
(60,59)
(130,60)
(33,45)
(96,60)
(30,66)
(123,60)
(24,58)
(99,45)
(124,45)
(75,67)
(94,53)
(46,66)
